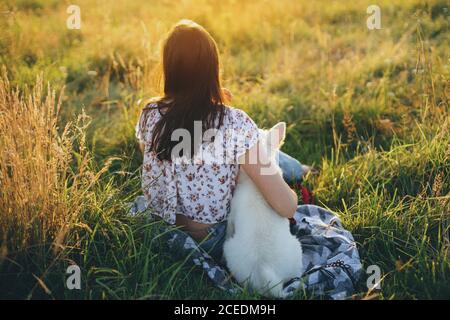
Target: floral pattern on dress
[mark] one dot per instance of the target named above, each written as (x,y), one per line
(200,190)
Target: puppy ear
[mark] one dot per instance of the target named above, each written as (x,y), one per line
(277,134)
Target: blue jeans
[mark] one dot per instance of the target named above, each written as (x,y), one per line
(293,170)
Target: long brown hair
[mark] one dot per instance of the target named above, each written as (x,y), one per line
(192,88)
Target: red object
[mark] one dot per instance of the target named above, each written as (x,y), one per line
(307,196)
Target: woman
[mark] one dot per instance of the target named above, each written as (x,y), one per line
(196,196)
(192,187)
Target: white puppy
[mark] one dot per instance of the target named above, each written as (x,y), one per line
(260,250)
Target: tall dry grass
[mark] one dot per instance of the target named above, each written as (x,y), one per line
(45,175)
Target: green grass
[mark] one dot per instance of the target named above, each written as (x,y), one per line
(367,108)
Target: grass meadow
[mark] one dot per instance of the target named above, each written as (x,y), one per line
(368,108)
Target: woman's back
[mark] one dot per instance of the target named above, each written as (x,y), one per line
(199,187)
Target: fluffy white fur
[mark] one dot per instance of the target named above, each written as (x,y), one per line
(260,250)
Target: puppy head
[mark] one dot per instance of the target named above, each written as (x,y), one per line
(274,137)
(271,140)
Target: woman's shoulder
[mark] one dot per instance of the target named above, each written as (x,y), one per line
(150,113)
(150,103)
(239,117)
(236,114)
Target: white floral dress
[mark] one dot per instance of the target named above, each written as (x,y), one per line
(200,189)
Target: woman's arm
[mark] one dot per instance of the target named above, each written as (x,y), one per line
(272,186)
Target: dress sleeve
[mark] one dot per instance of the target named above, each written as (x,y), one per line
(246,133)
(145,123)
